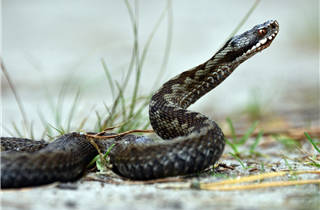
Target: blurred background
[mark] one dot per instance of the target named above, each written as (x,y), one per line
(45,43)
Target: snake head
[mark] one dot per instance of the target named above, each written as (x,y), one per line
(241,47)
(257,39)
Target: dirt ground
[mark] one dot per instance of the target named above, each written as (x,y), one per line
(110,192)
(97,195)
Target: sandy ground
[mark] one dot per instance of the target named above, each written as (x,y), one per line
(94,195)
(43,41)
(106,192)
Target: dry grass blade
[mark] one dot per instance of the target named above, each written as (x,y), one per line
(258,177)
(23,113)
(168,45)
(224,184)
(260,186)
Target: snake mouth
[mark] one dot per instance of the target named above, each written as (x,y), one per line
(241,47)
(262,44)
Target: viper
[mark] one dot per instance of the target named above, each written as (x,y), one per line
(191,141)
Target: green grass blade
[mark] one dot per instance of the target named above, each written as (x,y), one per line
(108,151)
(241,161)
(135,54)
(31,130)
(285,160)
(61,132)
(110,119)
(254,145)
(314,164)
(53,108)
(233,133)
(237,159)
(262,168)
(17,130)
(98,121)
(232,146)
(43,134)
(311,141)
(83,122)
(6,129)
(72,111)
(122,102)
(93,161)
(107,120)
(246,136)
(109,77)
(45,124)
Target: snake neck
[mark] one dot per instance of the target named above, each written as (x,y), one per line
(187,87)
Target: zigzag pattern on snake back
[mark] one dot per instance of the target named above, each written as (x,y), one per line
(196,142)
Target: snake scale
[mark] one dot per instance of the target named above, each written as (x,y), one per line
(196,142)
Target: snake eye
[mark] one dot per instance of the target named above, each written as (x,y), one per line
(262,32)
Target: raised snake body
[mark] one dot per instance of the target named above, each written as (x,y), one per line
(196,142)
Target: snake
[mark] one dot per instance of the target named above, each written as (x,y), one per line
(191,141)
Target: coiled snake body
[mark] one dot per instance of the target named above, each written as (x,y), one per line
(196,142)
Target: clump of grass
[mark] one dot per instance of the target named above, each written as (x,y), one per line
(100,160)
(313,158)
(236,142)
(129,112)
(124,110)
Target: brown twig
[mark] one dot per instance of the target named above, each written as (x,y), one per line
(97,136)
(107,129)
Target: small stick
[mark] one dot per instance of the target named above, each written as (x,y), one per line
(107,129)
(97,136)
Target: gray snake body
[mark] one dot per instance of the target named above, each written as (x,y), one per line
(196,142)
